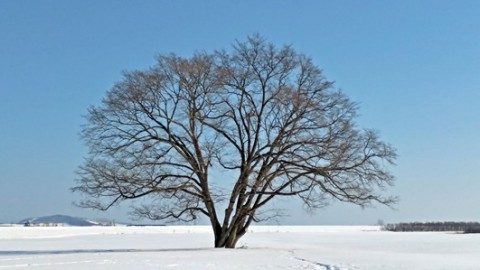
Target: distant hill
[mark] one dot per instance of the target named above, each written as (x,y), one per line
(59,219)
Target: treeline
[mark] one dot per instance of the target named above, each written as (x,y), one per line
(466,227)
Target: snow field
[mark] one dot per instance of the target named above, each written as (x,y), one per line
(264,247)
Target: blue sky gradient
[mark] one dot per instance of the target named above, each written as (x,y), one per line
(413,66)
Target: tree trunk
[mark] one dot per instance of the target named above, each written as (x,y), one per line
(232,241)
(228,238)
(217,232)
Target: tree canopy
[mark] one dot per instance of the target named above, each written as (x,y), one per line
(265,114)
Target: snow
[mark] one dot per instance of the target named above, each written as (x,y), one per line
(264,247)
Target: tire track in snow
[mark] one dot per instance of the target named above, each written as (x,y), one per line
(323,266)
(317,265)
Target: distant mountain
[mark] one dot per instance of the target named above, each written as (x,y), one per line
(59,219)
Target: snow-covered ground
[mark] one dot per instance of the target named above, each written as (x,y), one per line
(269,247)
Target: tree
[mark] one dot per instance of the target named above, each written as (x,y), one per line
(265,115)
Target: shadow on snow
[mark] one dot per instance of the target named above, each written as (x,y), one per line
(85,251)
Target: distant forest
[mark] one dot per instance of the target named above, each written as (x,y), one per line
(466,227)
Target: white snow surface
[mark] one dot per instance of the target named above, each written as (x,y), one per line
(263,247)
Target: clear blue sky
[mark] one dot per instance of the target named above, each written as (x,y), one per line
(414,66)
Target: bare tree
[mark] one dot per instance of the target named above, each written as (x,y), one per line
(265,114)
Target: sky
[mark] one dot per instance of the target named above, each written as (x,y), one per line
(413,66)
